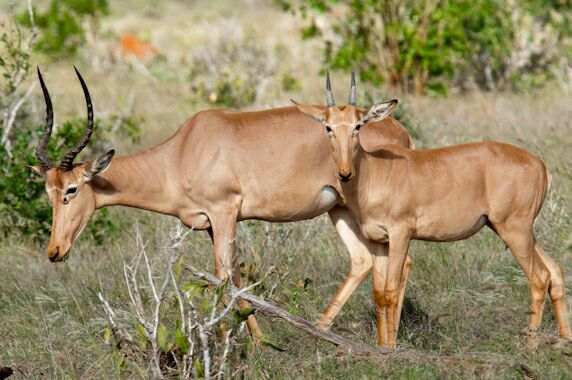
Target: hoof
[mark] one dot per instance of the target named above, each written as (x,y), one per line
(531,338)
(385,349)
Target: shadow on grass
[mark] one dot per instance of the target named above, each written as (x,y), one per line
(417,328)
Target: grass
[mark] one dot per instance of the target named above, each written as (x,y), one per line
(468,296)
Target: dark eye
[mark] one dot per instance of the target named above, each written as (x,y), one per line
(358,126)
(71,191)
(329,129)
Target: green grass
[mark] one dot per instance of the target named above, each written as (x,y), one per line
(468,296)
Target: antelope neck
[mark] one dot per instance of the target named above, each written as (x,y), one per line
(138,180)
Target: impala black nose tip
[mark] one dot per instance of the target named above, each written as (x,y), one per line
(53,257)
(345,178)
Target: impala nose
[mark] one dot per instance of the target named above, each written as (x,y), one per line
(346,177)
(53,256)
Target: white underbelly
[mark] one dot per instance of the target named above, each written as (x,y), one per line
(287,208)
(327,198)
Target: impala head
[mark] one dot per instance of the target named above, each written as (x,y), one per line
(343,124)
(67,185)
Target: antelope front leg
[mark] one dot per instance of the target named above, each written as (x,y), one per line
(223,235)
(380,258)
(360,251)
(398,247)
(402,286)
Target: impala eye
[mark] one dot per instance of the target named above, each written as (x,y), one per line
(329,129)
(71,191)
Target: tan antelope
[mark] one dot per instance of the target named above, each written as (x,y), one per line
(220,167)
(441,195)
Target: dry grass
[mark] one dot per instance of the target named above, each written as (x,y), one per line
(465,296)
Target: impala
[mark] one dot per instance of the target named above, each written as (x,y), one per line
(220,167)
(441,195)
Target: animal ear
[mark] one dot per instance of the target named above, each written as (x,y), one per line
(379,111)
(99,165)
(315,112)
(38,170)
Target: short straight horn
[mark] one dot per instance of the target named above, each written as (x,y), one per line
(329,95)
(67,162)
(352,100)
(41,147)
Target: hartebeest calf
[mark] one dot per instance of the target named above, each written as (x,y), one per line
(220,167)
(441,195)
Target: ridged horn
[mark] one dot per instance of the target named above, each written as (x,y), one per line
(329,95)
(67,162)
(352,100)
(41,147)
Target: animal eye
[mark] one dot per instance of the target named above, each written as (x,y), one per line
(358,126)
(329,129)
(71,191)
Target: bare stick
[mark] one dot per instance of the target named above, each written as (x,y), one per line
(33,25)
(117,329)
(342,342)
(12,117)
(224,358)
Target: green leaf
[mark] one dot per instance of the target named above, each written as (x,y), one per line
(179,267)
(194,284)
(220,290)
(242,315)
(245,313)
(266,342)
(107,335)
(142,337)
(198,368)
(181,341)
(121,361)
(163,337)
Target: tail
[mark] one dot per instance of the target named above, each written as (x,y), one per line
(546,180)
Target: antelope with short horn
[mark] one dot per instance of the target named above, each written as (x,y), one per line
(441,195)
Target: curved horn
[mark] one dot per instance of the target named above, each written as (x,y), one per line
(41,147)
(67,161)
(329,95)
(352,100)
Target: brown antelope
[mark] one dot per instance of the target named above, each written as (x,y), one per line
(220,167)
(441,195)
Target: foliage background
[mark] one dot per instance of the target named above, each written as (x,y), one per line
(456,86)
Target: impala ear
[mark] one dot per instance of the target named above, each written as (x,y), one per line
(379,111)
(315,112)
(38,170)
(99,165)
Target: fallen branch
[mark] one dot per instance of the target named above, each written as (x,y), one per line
(352,347)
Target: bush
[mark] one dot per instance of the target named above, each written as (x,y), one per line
(171,325)
(62,24)
(416,46)
(235,69)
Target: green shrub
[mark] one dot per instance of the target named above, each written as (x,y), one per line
(421,45)
(62,24)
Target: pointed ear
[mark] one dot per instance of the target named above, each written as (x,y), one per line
(379,111)
(99,165)
(37,170)
(315,112)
